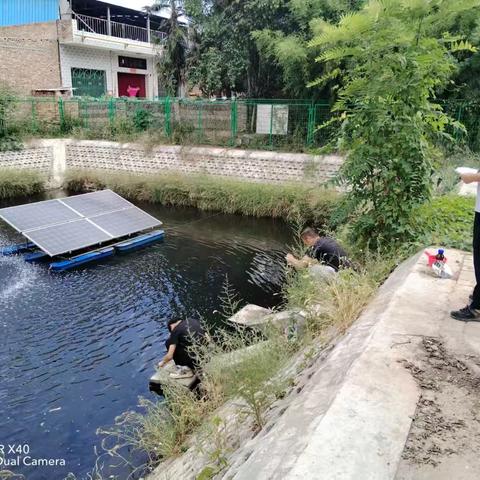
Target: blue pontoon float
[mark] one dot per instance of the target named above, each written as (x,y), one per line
(73,231)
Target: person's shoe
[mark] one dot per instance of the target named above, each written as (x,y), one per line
(182,372)
(466,314)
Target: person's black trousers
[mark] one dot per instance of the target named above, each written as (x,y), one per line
(476,261)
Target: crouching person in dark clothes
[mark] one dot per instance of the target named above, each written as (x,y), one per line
(183,334)
(324,250)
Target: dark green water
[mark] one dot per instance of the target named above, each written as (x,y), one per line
(77,349)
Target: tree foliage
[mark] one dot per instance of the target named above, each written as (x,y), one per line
(225,57)
(391,58)
(172,61)
(289,49)
(9,140)
(254,47)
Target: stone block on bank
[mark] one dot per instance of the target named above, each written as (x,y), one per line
(250,315)
(322,273)
(290,322)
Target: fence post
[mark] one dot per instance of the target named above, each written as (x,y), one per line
(111,111)
(271,126)
(34,117)
(168,117)
(200,122)
(234,121)
(311,124)
(61,112)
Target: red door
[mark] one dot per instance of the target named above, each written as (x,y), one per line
(132,80)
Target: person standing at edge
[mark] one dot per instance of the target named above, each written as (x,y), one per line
(472,311)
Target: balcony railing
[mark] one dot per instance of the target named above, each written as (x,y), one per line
(119,30)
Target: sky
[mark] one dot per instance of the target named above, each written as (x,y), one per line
(136,4)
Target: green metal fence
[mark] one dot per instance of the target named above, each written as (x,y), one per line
(251,123)
(289,125)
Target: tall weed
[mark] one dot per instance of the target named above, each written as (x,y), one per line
(20,183)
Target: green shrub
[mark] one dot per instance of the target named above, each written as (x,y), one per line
(182,133)
(142,120)
(447,221)
(388,68)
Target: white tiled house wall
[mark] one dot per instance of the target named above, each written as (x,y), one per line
(96,59)
(75,57)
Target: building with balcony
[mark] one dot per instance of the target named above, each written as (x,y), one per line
(84,47)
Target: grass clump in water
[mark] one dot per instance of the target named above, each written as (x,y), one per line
(20,183)
(311,203)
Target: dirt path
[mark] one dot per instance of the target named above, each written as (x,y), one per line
(444,439)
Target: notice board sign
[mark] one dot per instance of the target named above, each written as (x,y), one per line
(272,119)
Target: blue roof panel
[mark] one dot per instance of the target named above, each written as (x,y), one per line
(21,12)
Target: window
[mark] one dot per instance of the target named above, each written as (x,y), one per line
(88,83)
(132,62)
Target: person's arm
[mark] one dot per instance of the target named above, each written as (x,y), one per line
(305,262)
(168,357)
(309,261)
(470,177)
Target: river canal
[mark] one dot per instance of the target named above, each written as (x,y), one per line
(77,349)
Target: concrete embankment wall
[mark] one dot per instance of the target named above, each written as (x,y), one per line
(54,157)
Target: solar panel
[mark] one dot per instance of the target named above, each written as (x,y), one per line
(69,224)
(96,203)
(67,237)
(36,215)
(125,222)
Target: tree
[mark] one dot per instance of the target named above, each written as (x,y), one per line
(391,58)
(289,49)
(172,61)
(226,58)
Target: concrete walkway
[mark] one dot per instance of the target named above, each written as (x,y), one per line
(396,398)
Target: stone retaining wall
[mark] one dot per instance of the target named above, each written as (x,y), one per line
(30,158)
(56,156)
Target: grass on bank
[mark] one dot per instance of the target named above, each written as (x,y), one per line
(20,183)
(312,204)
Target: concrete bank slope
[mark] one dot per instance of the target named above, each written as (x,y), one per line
(376,407)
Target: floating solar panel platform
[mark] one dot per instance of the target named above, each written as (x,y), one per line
(63,226)
(139,242)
